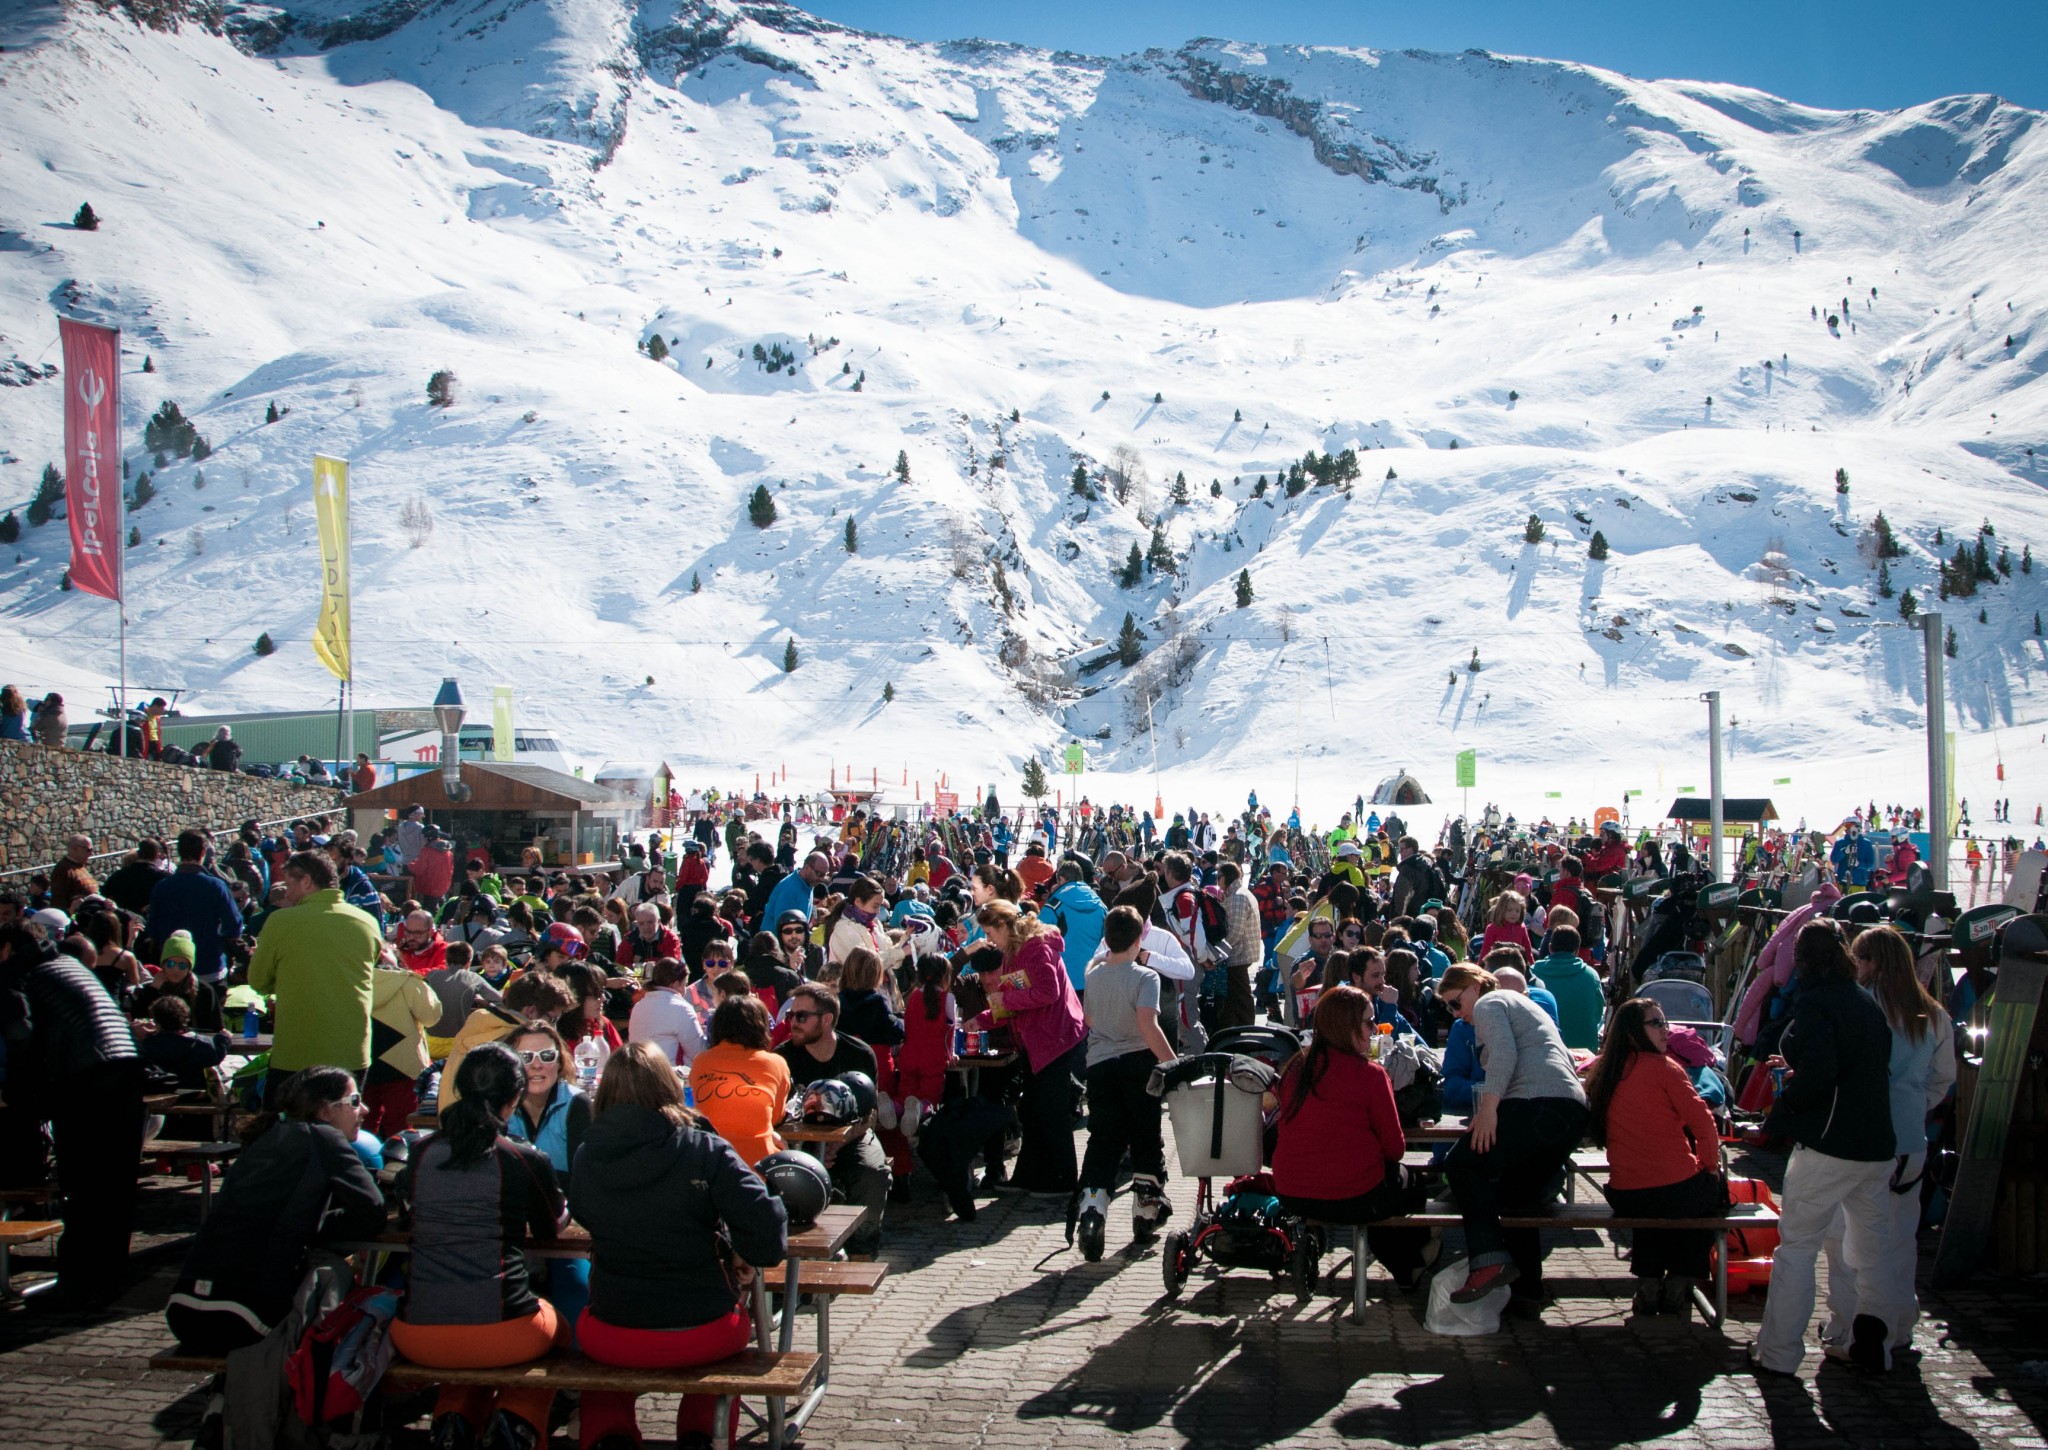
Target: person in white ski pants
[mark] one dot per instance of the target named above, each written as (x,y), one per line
(1923,1070)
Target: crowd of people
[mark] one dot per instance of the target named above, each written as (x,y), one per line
(626,1046)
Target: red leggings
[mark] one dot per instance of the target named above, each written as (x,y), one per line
(610,1412)
(390,1104)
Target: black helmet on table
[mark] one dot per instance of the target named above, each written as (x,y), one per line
(799,1181)
(830,1103)
(863,1088)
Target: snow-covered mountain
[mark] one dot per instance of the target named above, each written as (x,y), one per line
(1667,311)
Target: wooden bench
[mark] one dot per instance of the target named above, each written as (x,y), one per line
(1572,1217)
(17,1231)
(759,1373)
(204,1154)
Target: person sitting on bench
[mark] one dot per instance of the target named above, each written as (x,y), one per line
(297,1183)
(1338,1159)
(668,1298)
(1530,1114)
(476,1194)
(1663,1154)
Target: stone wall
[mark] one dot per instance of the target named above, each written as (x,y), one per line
(48,796)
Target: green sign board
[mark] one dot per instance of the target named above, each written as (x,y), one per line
(1074,759)
(1468,769)
(1782,780)
(1553,795)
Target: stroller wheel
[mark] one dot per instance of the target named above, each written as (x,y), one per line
(1173,1262)
(1306,1264)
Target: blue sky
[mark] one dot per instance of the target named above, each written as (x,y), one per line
(1879,53)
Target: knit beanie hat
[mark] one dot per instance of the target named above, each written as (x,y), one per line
(178,946)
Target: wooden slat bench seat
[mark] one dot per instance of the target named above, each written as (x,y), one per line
(756,1373)
(14,1232)
(182,1154)
(1569,1217)
(827,1276)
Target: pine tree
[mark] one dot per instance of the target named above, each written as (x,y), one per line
(852,536)
(1244,589)
(1598,548)
(1908,605)
(1034,779)
(1133,571)
(789,660)
(148,363)
(1129,642)
(696,583)
(201,449)
(888,693)
(2026,558)
(134,536)
(1939,542)
(902,466)
(441,389)
(270,413)
(1948,643)
(1015,416)
(1159,554)
(85,218)
(761,507)
(1391,475)
(1841,480)
(1215,488)
(1472,664)
(1980,562)
(49,493)
(1081,485)
(264,645)
(657,348)
(1532,532)
(1983,616)
(1985,528)
(1884,578)
(2037,624)
(1180,488)
(64,582)
(10,528)
(1888,546)
(1237,415)
(2004,562)
(199,478)
(1158,398)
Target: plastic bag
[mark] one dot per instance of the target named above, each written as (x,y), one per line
(1481,1316)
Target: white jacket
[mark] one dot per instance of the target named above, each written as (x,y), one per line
(664,1018)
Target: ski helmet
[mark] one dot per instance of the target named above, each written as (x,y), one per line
(799,1181)
(563,938)
(863,1088)
(830,1103)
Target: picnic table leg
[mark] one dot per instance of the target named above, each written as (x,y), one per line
(778,1409)
(1721,1278)
(721,1425)
(205,1189)
(763,1316)
(1360,1257)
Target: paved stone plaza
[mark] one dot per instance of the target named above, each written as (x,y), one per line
(993,1334)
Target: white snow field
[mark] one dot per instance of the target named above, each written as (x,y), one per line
(1511,286)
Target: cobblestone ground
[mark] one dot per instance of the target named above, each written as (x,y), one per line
(993,1334)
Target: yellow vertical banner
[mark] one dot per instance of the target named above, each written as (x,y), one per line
(501,722)
(330,510)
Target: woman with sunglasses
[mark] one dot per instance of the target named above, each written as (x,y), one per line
(1663,1154)
(297,1184)
(553,1115)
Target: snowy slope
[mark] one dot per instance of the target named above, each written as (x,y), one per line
(1510,286)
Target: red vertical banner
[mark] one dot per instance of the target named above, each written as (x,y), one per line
(92,454)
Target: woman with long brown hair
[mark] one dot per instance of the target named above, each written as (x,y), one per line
(1034,994)
(1338,1158)
(1923,1071)
(1663,1152)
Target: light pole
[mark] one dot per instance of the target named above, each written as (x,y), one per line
(1937,751)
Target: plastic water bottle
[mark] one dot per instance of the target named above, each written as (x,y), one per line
(589,1057)
(252,1023)
(960,1042)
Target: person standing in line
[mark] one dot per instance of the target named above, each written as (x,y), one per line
(317,956)
(193,899)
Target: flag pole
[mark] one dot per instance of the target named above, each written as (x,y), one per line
(121,544)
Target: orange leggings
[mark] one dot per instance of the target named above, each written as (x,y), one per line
(485,1346)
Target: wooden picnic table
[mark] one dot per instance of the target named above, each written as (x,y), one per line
(969,1067)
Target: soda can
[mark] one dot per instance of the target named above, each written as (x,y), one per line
(1777,1081)
(974,1044)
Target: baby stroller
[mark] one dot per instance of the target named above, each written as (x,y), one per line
(1214,1100)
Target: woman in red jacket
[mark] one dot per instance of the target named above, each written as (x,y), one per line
(1338,1159)
(1663,1154)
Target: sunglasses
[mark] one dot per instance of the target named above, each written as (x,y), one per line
(1655,1022)
(353,1100)
(803,1016)
(792,931)
(542,1054)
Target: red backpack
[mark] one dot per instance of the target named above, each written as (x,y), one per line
(339,1363)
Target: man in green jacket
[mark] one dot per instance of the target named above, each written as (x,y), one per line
(1577,989)
(316,957)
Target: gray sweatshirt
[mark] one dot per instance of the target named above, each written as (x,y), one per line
(1520,1050)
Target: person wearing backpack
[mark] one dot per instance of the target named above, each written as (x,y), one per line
(1415,881)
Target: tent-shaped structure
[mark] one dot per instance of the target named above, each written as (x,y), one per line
(1735,810)
(1400,789)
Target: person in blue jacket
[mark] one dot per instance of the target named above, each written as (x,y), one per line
(1076,912)
(1853,857)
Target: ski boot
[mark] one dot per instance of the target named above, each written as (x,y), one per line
(1149,1207)
(1093,1222)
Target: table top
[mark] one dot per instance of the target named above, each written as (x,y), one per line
(240,1046)
(157,1102)
(821,1240)
(967,1061)
(809,1133)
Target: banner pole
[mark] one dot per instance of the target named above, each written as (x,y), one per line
(121,555)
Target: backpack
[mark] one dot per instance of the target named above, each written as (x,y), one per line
(1215,922)
(1417,1073)
(337,1366)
